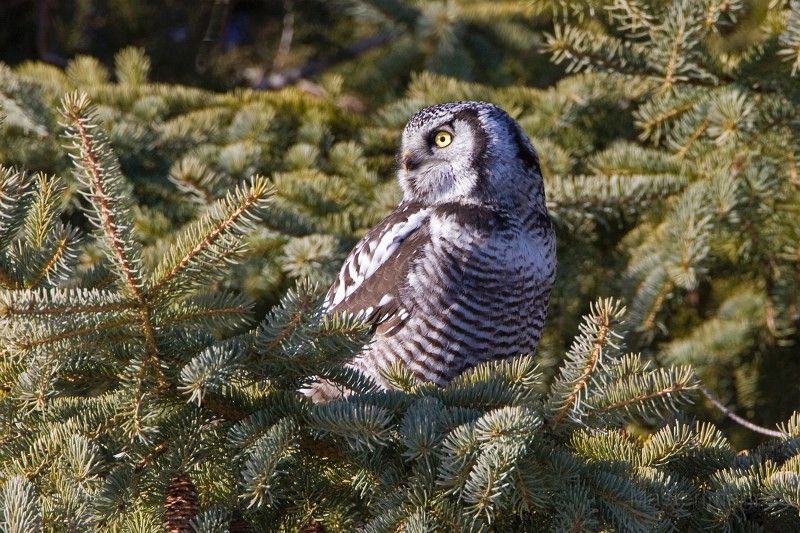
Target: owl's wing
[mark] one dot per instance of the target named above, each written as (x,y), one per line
(370,280)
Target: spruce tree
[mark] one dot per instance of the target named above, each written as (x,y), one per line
(159,297)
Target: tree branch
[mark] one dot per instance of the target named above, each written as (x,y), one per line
(738,419)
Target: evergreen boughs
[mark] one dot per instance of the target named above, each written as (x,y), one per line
(159,298)
(496,448)
(726,120)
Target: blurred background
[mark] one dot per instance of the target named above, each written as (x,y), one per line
(271,44)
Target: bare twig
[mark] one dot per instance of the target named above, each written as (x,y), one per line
(287,34)
(217,22)
(738,419)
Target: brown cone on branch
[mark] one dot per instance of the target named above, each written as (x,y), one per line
(181,505)
(313,527)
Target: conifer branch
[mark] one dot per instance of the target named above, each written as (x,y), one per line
(641,398)
(632,16)
(101,172)
(214,367)
(650,318)
(197,250)
(58,255)
(669,70)
(150,338)
(662,117)
(110,340)
(591,362)
(75,110)
(700,130)
(156,451)
(14,190)
(585,196)
(641,515)
(204,313)
(44,381)
(65,335)
(790,39)
(20,502)
(106,281)
(9,309)
(138,399)
(586,50)
(44,212)
(193,177)
(304,303)
(712,12)
(229,218)
(586,351)
(107,425)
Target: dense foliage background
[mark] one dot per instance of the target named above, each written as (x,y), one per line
(142,251)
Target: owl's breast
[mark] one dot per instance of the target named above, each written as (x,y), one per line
(483,260)
(477,289)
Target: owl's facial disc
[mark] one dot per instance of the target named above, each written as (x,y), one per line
(438,147)
(437,160)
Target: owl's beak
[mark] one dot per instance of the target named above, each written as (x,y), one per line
(408,160)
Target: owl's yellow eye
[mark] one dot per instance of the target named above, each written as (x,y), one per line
(442,139)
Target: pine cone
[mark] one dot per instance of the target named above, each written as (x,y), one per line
(312,527)
(181,504)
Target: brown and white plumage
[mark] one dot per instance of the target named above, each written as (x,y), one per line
(461,271)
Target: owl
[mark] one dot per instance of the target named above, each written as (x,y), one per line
(461,271)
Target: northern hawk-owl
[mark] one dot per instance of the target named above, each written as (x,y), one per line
(461,271)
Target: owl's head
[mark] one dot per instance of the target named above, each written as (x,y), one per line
(470,152)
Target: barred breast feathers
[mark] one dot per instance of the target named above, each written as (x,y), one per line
(370,281)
